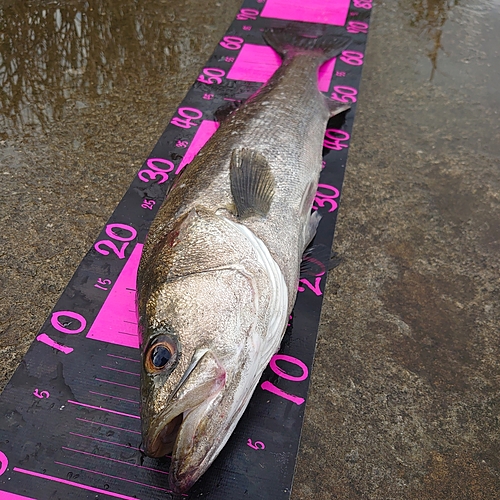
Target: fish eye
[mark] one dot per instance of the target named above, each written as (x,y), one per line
(160,355)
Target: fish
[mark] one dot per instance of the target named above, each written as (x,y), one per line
(220,266)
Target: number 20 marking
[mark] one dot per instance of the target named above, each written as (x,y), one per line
(247,14)
(100,246)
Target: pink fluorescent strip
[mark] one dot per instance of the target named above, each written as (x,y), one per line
(116,383)
(206,130)
(107,410)
(114,460)
(71,483)
(115,477)
(5,495)
(116,322)
(107,425)
(313,11)
(257,63)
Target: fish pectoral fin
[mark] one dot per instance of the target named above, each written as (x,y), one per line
(311,228)
(252,183)
(335,108)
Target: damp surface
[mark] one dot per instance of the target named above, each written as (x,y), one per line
(404,400)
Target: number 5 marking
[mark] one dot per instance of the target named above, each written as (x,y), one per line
(259,445)
(41,395)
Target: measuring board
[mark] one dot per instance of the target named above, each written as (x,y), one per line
(70,425)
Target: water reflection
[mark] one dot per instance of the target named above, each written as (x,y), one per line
(53,53)
(429,16)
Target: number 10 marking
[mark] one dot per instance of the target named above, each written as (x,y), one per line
(270,387)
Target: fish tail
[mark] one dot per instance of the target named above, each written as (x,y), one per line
(299,38)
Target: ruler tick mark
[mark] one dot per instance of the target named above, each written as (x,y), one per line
(107,410)
(129,334)
(120,371)
(114,397)
(116,383)
(103,440)
(115,460)
(72,483)
(107,425)
(122,357)
(114,477)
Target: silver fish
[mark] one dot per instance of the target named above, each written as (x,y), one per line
(219,272)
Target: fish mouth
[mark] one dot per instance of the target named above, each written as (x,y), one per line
(202,381)
(163,442)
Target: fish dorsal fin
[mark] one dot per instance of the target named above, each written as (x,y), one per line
(252,183)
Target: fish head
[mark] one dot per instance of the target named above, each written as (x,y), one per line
(171,387)
(198,370)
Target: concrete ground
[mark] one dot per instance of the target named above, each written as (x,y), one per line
(405,400)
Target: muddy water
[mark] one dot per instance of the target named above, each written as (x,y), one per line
(404,400)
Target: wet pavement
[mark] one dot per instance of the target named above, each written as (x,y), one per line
(405,395)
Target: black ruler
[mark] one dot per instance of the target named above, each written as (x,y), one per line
(70,424)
